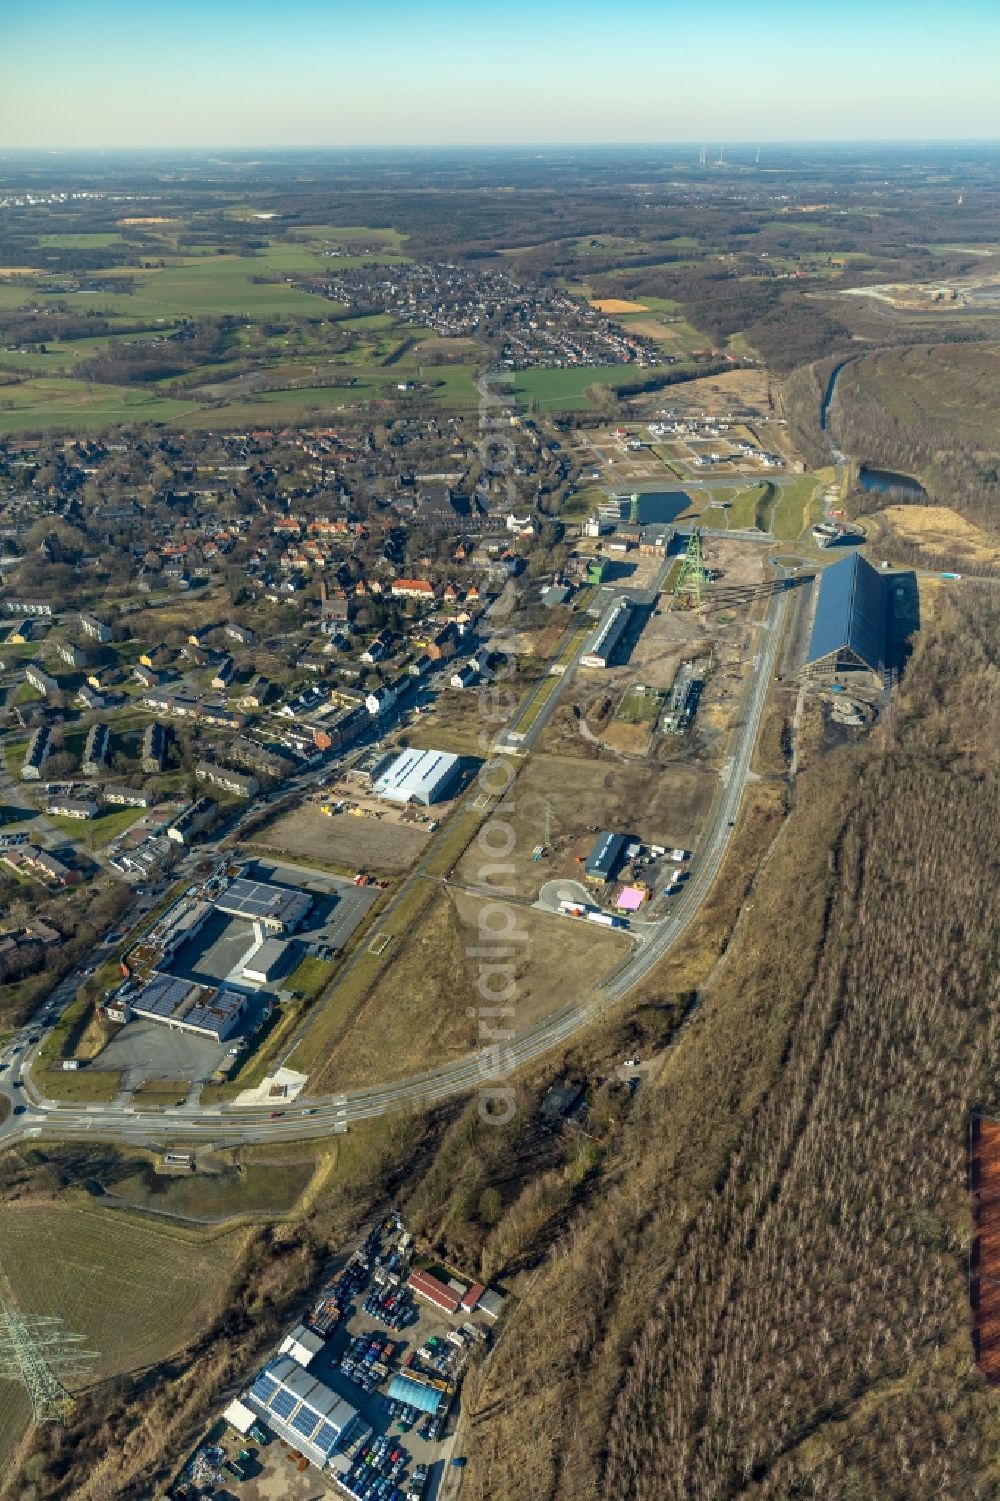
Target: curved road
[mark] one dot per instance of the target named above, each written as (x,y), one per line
(321,1116)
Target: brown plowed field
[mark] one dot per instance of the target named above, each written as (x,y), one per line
(984,1169)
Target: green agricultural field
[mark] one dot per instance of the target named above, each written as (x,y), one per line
(85,240)
(327,233)
(134,1291)
(456,390)
(58,359)
(12,296)
(210,288)
(76,406)
(564,390)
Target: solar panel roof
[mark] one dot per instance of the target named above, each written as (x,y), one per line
(257,899)
(283,1403)
(162,996)
(264,1387)
(326,1438)
(306,1422)
(850,613)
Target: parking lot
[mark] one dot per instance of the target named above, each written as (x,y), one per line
(338,905)
(386,1331)
(391,1357)
(215,952)
(147,1050)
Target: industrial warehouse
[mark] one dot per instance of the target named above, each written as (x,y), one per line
(214,964)
(419,776)
(303,1411)
(602,645)
(849,624)
(183,1006)
(267,962)
(198,969)
(276,908)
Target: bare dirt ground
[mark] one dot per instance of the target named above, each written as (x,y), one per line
(734,390)
(538,641)
(558,801)
(716,636)
(668,639)
(423,1011)
(735,564)
(455,725)
(380,845)
(631,739)
(443,348)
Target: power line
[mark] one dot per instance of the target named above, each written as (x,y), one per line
(37,1352)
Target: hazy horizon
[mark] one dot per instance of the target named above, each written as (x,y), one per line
(217,75)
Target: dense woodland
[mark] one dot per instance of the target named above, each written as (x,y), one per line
(959,468)
(769,1298)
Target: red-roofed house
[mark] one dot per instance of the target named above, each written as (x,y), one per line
(433,1291)
(413,589)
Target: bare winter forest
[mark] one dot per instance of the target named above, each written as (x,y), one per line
(771,1297)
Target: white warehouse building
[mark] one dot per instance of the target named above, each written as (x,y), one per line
(266,962)
(419,776)
(303,1411)
(609,632)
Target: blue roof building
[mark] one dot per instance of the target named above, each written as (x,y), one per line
(604,856)
(416,1394)
(849,627)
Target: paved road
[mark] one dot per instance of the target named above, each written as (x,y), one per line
(320,1117)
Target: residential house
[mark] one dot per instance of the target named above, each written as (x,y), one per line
(40,680)
(256,694)
(95,752)
(88,699)
(380,701)
(36,755)
(72,807)
(96,629)
(154,747)
(127,797)
(418,589)
(223,673)
(193,819)
(70,654)
(222,776)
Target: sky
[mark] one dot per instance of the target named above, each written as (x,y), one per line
(259,73)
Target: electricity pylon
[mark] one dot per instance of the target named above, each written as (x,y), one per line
(37,1352)
(693,576)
